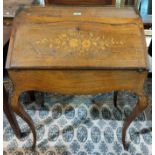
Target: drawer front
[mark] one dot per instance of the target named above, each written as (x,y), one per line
(77,81)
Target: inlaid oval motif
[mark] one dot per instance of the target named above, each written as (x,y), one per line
(69,112)
(109,135)
(53,133)
(68,133)
(95,134)
(106,114)
(82,134)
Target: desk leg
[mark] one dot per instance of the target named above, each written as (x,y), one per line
(10,115)
(140,107)
(19,110)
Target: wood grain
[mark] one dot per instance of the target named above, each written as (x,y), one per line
(77,81)
(76,42)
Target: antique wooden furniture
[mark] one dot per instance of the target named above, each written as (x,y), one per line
(10,9)
(77,50)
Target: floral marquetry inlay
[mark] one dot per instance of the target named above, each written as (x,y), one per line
(76,43)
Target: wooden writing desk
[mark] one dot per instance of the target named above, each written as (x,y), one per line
(77,50)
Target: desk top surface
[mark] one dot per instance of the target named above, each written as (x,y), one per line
(77,37)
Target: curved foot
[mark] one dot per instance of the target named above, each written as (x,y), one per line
(19,110)
(140,107)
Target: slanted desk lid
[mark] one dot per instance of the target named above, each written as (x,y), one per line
(77,37)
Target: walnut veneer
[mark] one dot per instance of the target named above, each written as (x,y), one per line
(77,50)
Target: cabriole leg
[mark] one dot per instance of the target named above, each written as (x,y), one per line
(19,110)
(140,107)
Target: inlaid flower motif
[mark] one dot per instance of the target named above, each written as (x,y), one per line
(86,44)
(95,134)
(68,133)
(82,134)
(74,43)
(109,135)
